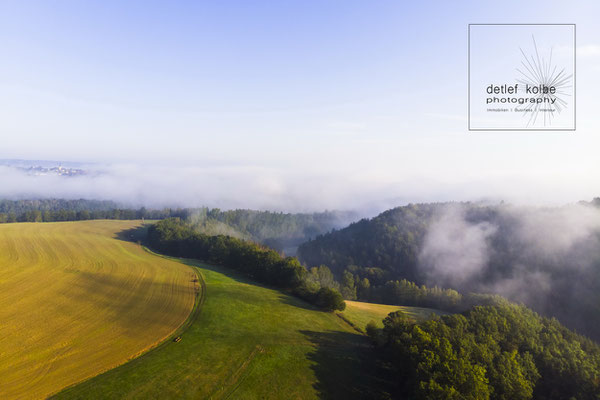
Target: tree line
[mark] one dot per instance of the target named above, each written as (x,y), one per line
(175,237)
(55,210)
(19,207)
(356,285)
(84,215)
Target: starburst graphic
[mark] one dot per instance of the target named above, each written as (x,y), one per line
(537,72)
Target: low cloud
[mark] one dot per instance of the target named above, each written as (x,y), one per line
(523,253)
(455,250)
(221,186)
(365,189)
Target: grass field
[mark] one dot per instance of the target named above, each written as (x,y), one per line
(360,313)
(246,342)
(76,300)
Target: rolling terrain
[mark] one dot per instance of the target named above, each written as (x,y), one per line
(76,300)
(247,341)
(81,304)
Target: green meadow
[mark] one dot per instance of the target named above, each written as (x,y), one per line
(246,341)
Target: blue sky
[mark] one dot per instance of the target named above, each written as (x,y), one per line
(370,95)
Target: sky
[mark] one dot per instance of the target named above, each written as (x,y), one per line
(299,105)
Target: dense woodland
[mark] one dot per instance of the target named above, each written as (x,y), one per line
(178,238)
(374,285)
(389,241)
(399,292)
(526,267)
(503,352)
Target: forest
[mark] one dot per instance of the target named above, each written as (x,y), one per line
(545,257)
(503,352)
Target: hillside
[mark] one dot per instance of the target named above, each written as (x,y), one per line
(247,341)
(77,300)
(545,257)
(390,241)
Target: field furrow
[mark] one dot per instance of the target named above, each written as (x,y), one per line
(76,300)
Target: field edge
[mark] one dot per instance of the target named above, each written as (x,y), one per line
(179,331)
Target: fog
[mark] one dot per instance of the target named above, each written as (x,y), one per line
(157,186)
(277,188)
(455,251)
(523,253)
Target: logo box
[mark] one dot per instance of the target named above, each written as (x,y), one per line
(522,77)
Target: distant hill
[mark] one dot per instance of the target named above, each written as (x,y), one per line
(390,241)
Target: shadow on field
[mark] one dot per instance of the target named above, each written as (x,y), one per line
(297,302)
(228,272)
(285,298)
(239,277)
(346,367)
(137,234)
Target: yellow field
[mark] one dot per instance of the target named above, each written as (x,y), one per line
(360,313)
(75,300)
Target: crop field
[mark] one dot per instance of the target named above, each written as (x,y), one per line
(360,313)
(246,341)
(76,300)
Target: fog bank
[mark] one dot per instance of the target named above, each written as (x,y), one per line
(275,188)
(523,253)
